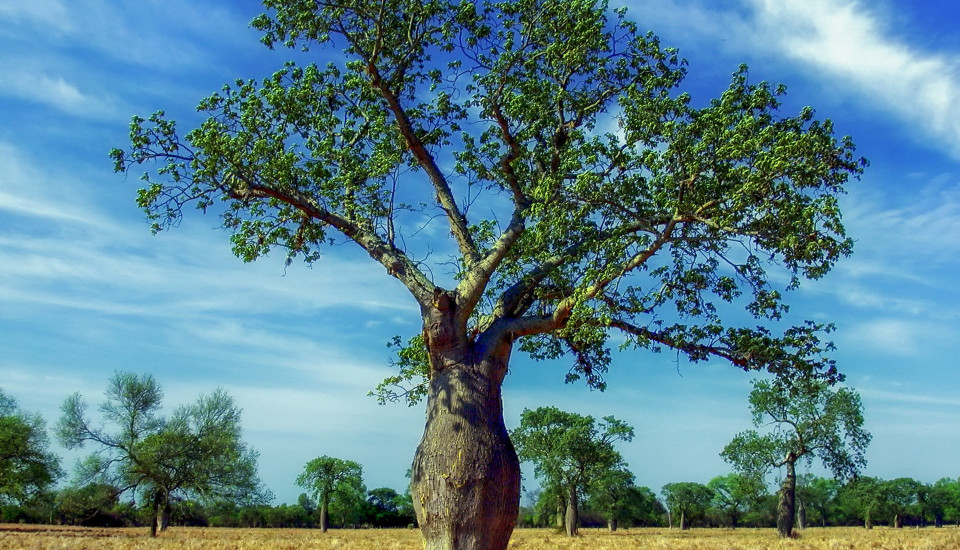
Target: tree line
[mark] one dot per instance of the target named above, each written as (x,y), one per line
(193,468)
(736,500)
(189,468)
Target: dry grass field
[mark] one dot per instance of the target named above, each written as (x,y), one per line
(72,538)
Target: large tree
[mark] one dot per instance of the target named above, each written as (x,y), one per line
(27,467)
(328,477)
(804,420)
(579,191)
(570,451)
(198,452)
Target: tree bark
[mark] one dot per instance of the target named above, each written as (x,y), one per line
(573,512)
(786,507)
(466,475)
(801,515)
(324,514)
(612,524)
(683,520)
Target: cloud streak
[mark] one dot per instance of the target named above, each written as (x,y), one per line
(851,44)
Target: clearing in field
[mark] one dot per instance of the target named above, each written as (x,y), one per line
(45,537)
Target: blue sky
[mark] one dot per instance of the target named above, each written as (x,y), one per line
(86,290)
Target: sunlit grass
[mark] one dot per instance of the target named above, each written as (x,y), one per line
(73,538)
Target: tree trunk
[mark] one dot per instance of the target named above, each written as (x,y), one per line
(612,524)
(683,520)
(324,514)
(573,512)
(897,521)
(786,507)
(165,516)
(801,515)
(466,475)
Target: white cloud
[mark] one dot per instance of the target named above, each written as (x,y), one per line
(852,46)
(903,338)
(57,92)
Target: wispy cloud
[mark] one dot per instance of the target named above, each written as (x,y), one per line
(849,43)
(58,92)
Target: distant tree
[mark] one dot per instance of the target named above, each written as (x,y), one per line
(488,118)
(902,496)
(817,494)
(197,453)
(610,492)
(941,500)
(733,494)
(686,499)
(644,509)
(329,478)
(27,467)
(863,499)
(569,451)
(806,419)
(389,508)
(307,503)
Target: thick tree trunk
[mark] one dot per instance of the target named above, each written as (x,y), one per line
(466,475)
(786,508)
(683,521)
(573,512)
(165,517)
(324,515)
(156,519)
(801,515)
(612,524)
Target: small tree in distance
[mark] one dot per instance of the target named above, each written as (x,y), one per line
(569,452)
(733,494)
(197,452)
(326,477)
(686,499)
(27,467)
(807,419)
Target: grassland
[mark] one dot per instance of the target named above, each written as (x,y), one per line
(72,538)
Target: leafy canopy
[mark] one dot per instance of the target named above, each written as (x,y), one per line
(196,453)
(805,420)
(27,467)
(535,161)
(326,476)
(570,450)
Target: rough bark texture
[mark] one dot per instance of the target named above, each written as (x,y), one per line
(573,513)
(786,508)
(324,517)
(466,475)
(801,515)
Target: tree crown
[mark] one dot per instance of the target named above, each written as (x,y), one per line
(581,191)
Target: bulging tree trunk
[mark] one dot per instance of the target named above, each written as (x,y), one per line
(786,507)
(801,515)
(324,514)
(466,475)
(573,512)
